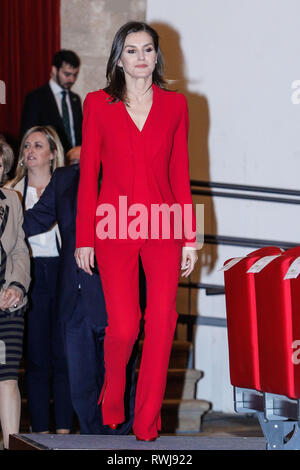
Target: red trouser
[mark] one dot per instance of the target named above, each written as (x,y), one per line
(119,270)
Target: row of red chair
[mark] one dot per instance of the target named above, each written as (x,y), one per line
(263,319)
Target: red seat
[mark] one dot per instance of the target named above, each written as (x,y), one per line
(278,314)
(242,320)
(295,297)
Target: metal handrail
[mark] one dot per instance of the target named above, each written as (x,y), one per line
(211,289)
(244,187)
(246,242)
(280,200)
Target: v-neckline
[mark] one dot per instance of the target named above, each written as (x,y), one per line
(140,131)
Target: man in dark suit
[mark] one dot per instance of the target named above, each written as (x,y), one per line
(80,305)
(55,104)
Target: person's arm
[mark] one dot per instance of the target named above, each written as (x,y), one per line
(90,161)
(179,171)
(42,216)
(73,155)
(180,183)
(19,278)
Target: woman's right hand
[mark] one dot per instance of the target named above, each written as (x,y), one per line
(85,258)
(11,297)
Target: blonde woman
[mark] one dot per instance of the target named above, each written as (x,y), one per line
(14,284)
(40,153)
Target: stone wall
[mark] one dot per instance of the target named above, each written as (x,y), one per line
(88,28)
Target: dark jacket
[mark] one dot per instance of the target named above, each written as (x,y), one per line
(58,203)
(40,109)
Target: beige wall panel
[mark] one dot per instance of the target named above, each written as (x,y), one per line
(88,28)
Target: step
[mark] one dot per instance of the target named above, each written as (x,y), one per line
(179,355)
(183,415)
(181,383)
(177,415)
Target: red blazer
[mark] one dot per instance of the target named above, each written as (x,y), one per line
(154,159)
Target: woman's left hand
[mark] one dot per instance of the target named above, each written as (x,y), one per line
(11,297)
(188,261)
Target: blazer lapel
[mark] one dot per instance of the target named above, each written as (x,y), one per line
(4,210)
(154,128)
(2,195)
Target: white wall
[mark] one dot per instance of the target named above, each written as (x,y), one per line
(235,61)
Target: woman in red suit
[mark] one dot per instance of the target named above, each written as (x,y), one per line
(137,131)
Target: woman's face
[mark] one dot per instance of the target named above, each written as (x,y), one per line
(37,151)
(138,57)
(1,168)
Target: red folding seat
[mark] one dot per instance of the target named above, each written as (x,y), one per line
(295,298)
(278,323)
(242,319)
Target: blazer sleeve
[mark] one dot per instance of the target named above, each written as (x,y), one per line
(90,161)
(42,216)
(179,174)
(20,273)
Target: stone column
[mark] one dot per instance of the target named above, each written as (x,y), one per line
(88,28)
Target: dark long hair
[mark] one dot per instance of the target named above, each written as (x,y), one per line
(115,75)
(69,57)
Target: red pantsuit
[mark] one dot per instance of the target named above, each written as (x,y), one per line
(148,167)
(161,263)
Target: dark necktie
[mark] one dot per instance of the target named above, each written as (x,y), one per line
(65,115)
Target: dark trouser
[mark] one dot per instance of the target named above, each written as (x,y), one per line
(45,351)
(84,350)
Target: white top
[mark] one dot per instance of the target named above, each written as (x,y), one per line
(57,92)
(43,244)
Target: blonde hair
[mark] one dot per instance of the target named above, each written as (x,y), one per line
(7,154)
(55,148)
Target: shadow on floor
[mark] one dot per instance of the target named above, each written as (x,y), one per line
(233,424)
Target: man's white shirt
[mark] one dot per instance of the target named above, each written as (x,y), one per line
(57,92)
